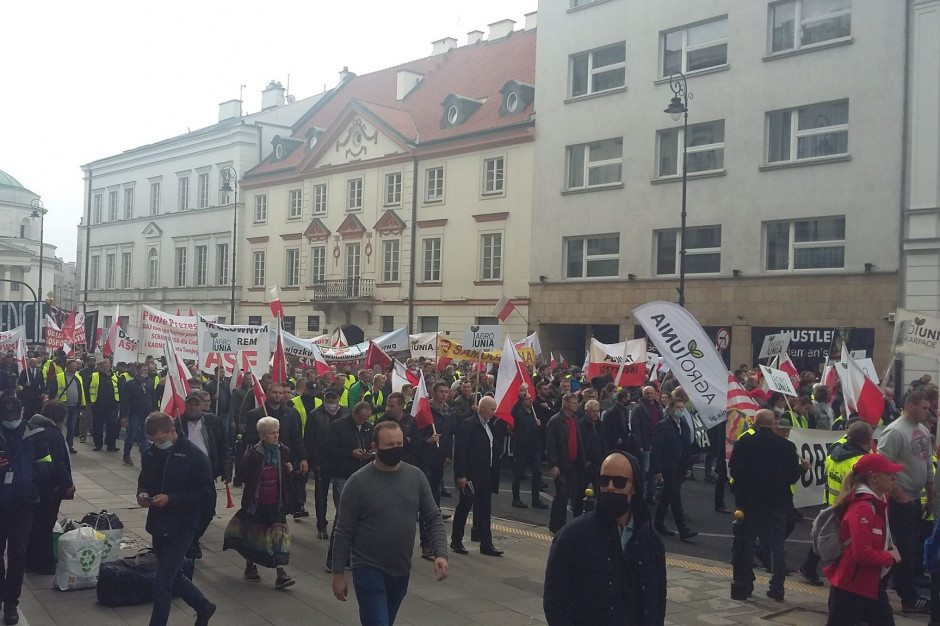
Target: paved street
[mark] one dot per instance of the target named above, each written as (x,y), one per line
(480,590)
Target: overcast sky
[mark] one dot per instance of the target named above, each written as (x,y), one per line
(85,80)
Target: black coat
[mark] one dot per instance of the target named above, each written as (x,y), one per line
(671,448)
(31,385)
(427,454)
(183,473)
(474,459)
(616,427)
(525,439)
(138,398)
(640,423)
(53,485)
(592,440)
(591,581)
(556,444)
(344,438)
(317,434)
(215,443)
(763,467)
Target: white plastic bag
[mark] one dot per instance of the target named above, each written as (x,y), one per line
(112,544)
(79,559)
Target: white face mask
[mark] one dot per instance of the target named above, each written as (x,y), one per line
(14,424)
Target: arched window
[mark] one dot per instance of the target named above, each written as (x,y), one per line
(153,269)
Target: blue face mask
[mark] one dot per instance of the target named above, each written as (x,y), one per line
(14,424)
(166,445)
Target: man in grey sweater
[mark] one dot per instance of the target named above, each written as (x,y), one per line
(376,526)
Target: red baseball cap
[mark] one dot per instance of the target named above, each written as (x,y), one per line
(875,464)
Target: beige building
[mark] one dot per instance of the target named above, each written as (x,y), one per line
(402,198)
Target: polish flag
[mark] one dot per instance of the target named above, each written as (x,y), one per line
(260,396)
(279,365)
(178,314)
(564,363)
(861,394)
(512,375)
(503,309)
(274,301)
(68,330)
(442,362)
(421,409)
(321,364)
(338,339)
(177,385)
(786,366)
(376,356)
(238,373)
(552,364)
(402,376)
(532,341)
(830,376)
(21,354)
(111,342)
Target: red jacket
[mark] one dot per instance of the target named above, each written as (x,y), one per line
(859,569)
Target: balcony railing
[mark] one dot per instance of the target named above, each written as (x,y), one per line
(343,289)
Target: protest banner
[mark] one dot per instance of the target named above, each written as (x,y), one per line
(774,345)
(624,361)
(304,349)
(916,334)
(423,345)
(453,350)
(483,338)
(9,339)
(219,344)
(778,380)
(125,348)
(156,326)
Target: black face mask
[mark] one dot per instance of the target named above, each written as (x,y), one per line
(612,505)
(391,456)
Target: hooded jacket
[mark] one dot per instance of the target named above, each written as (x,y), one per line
(28,453)
(54,482)
(865,523)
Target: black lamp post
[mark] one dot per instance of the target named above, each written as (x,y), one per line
(678,108)
(230,184)
(40,212)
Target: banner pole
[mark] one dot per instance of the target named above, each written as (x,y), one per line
(884,379)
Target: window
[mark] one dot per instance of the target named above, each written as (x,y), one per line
(595,164)
(432,260)
(14,286)
(292,273)
(126,267)
(353,260)
(592,257)
(435,184)
(289,323)
(221,264)
(202,266)
(181,267)
(702,251)
(96,212)
(493,175)
(393,189)
(811,132)
(295,210)
(257,269)
(183,201)
(319,199)
(261,208)
(706,149)
(487,320)
(390,254)
(387,323)
(95,267)
(203,199)
(491,256)
(598,71)
(318,264)
(153,269)
(806,244)
(428,324)
(155,198)
(254,320)
(109,271)
(112,206)
(313,323)
(23,230)
(695,48)
(800,23)
(354,194)
(129,203)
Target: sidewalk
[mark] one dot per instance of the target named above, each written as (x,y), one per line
(480,590)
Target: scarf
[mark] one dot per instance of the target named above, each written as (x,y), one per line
(272,454)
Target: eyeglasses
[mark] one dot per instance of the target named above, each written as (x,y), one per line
(620,482)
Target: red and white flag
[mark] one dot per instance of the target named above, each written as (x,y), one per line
(532,341)
(786,366)
(177,382)
(421,408)
(741,412)
(260,396)
(830,377)
(377,356)
(274,301)
(279,362)
(402,376)
(503,309)
(68,329)
(552,364)
(861,394)
(512,375)
(238,373)
(322,366)
(111,342)
(21,354)
(338,339)
(191,314)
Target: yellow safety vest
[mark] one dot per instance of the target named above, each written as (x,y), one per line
(299,405)
(796,420)
(344,399)
(350,381)
(55,369)
(93,387)
(61,393)
(374,400)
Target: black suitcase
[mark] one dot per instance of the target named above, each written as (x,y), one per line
(129,581)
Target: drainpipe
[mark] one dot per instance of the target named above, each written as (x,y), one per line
(904,186)
(414,245)
(87,242)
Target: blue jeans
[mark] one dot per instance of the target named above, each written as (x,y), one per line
(135,434)
(71,421)
(169,578)
(379,595)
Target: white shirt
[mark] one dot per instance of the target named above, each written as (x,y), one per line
(489,433)
(197,434)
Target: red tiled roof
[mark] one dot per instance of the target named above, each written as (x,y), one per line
(475,71)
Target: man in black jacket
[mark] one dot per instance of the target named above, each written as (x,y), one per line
(316,435)
(668,462)
(175,485)
(545,407)
(434,449)
(595,450)
(137,402)
(525,449)
(476,474)
(617,422)
(565,456)
(608,567)
(646,415)
(30,388)
(764,466)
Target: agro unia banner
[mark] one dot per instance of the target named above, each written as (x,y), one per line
(916,334)
(690,355)
(219,344)
(9,339)
(303,349)
(423,345)
(624,361)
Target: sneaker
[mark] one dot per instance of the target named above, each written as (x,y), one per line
(810,577)
(128,461)
(251,574)
(775,596)
(10,615)
(283,582)
(919,605)
(687,533)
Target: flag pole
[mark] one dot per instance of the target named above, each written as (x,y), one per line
(516,309)
(884,379)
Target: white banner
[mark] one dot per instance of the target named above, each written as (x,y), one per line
(811,445)
(423,345)
(303,349)
(624,361)
(125,350)
(774,345)
(917,334)
(778,380)
(219,344)
(689,353)
(156,326)
(10,338)
(485,338)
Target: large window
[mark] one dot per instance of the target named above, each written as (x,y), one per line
(221,264)
(393,189)
(811,132)
(428,323)
(493,176)
(183,193)
(295,202)
(96,210)
(432,260)
(155,198)
(706,149)
(129,203)
(806,244)
(353,260)
(153,269)
(491,256)
(354,194)
(112,206)
(95,271)
(109,271)
(318,264)
(597,71)
(796,24)
(202,201)
(695,48)
(180,267)
(202,266)
(434,178)
(257,269)
(391,249)
(592,257)
(319,199)
(595,164)
(261,208)
(292,268)
(387,323)
(702,251)
(126,268)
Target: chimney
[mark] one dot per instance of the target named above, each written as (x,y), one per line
(345,75)
(530,21)
(501,29)
(272,96)
(406,83)
(230,109)
(443,45)
(474,36)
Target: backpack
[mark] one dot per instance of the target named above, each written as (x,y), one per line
(826,537)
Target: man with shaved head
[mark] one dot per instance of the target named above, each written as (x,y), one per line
(763,467)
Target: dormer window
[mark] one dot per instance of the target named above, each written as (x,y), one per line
(516,97)
(283,146)
(313,136)
(453,114)
(279,151)
(458,109)
(512,102)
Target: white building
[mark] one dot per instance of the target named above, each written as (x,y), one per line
(795,177)
(161,226)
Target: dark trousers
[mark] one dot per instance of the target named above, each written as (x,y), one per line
(135,434)
(321,488)
(435,476)
(590,477)
(104,426)
(847,609)
(522,460)
(566,489)
(481,502)
(811,563)
(671,498)
(169,577)
(905,528)
(15,526)
(935,598)
(721,470)
(379,595)
(71,421)
(770,525)
(39,555)
(297,484)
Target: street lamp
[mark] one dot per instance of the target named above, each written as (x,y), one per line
(230,184)
(678,108)
(40,212)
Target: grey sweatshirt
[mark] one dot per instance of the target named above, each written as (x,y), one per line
(909,444)
(376,521)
